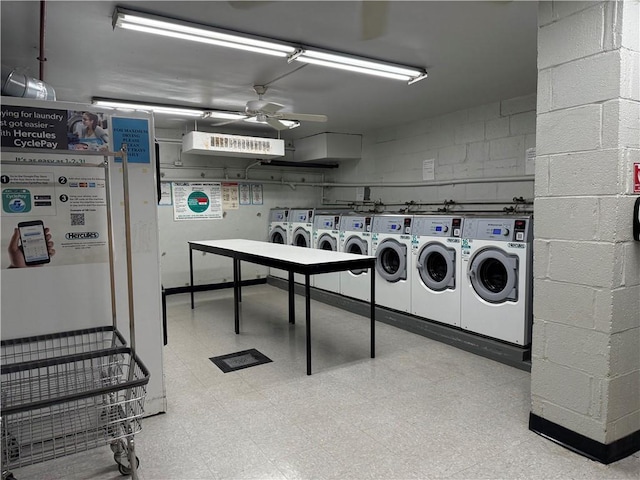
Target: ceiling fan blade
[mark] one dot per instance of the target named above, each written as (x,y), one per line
(277,124)
(374,15)
(302,117)
(262,106)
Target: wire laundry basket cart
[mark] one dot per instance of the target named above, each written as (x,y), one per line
(71,391)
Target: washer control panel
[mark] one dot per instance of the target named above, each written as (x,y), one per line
(355,224)
(392,224)
(437,226)
(498,229)
(301,216)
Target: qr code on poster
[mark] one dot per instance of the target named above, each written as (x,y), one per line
(77,219)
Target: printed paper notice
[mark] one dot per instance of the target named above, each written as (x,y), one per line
(245,194)
(530,162)
(230,195)
(165,193)
(429,169)
(256,194)
(197,201)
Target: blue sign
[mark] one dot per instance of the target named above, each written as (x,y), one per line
(135,133)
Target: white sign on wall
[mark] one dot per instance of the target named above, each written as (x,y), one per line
(429,169)
(197,201)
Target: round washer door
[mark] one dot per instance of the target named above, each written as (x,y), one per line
(278,235)
(357,246)
(436,266)
(391,260)
(327,242)
(494,275)
(301,237)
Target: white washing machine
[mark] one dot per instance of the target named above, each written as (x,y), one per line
(279,233)
(436,268)
(326,236)
(301,232)
(497,294)
(391,245)
(355,237)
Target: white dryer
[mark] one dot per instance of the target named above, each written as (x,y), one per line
(326,236)
(279,233)
(497,258)
(391,245)
(436,268)
(355,237)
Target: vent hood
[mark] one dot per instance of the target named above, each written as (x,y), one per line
(202,143)
(328,146)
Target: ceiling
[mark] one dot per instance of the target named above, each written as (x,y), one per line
(475,53)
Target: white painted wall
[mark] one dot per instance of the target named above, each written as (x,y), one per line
(586,337)
(482,142)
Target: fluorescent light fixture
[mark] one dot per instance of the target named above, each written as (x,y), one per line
(224,115)
(359,64)
(158,25)
(169,27)
(162,109)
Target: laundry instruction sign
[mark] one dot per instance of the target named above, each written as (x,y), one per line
(197,200)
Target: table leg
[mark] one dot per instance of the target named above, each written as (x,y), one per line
(191,273)
(239,283)
(307,296)
(292,300)
(372,274)
(236,293)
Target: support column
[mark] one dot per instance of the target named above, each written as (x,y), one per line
(585,378)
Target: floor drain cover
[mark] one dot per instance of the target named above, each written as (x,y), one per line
(239,360)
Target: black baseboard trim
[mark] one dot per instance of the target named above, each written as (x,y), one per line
(600,452)
(212,286)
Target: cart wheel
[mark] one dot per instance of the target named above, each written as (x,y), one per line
(127,470)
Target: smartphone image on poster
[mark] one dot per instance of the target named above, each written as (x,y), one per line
(34,242)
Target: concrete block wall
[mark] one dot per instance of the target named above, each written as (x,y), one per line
(586,337)
(486,141)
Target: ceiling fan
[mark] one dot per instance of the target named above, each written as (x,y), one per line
(269,113)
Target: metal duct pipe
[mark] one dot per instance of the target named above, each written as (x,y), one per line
(17,84)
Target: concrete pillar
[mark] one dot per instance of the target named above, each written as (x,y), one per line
(585,387)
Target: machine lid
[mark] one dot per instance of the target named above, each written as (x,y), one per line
(391,260)
(357,246)
(436,266)
(278,235)
(493,273)
(327,242)
(302,237)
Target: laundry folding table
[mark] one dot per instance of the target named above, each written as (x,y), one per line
(294,259)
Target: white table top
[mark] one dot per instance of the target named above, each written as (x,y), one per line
(288,253)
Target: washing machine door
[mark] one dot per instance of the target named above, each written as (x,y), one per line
(302,237)
(357,246)
(391,260)
(437,266)
(327,242)
(278,235)
(493,273)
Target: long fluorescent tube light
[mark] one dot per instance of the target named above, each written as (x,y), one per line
(359,64)
(158,25)
(169,27)
(169,110)
(288,123)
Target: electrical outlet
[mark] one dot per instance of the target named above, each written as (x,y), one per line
(177,163)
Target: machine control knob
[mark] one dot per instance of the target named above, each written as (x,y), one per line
(445,229)
(505,232)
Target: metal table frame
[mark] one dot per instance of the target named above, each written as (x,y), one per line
(292,258)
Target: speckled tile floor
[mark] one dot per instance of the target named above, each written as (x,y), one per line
(419,410)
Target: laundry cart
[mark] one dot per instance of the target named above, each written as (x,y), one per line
(71,391)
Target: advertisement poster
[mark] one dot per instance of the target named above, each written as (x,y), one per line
(197,201)
(230,195)
(52,214)
(46,128)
